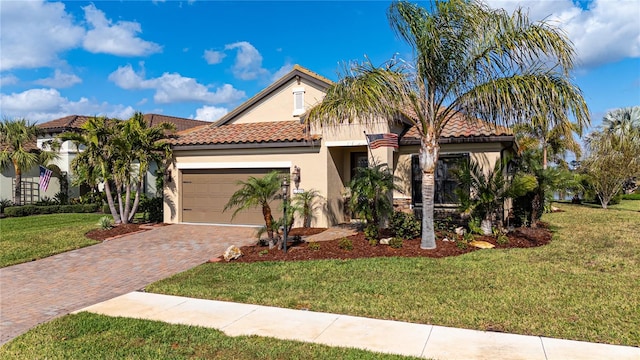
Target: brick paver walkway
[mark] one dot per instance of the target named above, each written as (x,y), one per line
(38,291)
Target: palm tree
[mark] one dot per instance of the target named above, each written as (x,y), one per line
(141,144)
(370,189)
(489,189)
(306,203)
(111,147)
(97,155)
(554,139)
(18,148)
(469,60)
(257,192)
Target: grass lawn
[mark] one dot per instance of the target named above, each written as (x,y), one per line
(34,237)
(582,286)
(91,336)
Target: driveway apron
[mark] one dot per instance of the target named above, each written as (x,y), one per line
(38,291)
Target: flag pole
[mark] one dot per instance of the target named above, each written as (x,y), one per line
(373,159)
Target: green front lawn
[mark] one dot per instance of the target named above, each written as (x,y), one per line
(582,286)
(34,237)
(91,336)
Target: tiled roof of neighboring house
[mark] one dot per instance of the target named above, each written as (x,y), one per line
(74,122)
(250,133)
(180,123)
(28,146)
(64,124)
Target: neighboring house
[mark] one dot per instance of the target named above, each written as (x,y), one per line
(267,133)
(62,166)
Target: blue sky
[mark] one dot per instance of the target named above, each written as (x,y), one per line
(200,59)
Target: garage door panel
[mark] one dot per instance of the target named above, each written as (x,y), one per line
(206,192)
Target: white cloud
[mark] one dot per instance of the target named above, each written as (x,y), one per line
(248,64)
(10,79)
(116,39)
(281,72)
(173,87)
(605,32)
(210,113)
(214,57)
(126,78)
(34,33)
(59,80)
(47,104)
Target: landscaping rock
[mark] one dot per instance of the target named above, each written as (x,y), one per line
(232,253)
(385,241)
(459,230)
(482,244)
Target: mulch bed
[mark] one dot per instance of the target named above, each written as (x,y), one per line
(123,229)
(519,238)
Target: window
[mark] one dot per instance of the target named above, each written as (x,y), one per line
(358,160)
(446,182)
(298,101)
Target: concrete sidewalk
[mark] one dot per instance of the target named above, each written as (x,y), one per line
(385,336)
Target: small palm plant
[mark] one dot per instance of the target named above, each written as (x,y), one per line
(257,192)
(306,203)
(371,190)
(482,193)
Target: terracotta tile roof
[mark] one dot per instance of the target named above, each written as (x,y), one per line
(460,127)
(74,122)
(180,123)
(250,133)
(64,124)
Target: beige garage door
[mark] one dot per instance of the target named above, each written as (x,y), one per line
(206,192)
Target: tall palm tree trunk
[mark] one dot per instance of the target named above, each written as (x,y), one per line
(428,159)
(17,191)
(112,205)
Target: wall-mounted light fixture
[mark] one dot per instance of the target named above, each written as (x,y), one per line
(167,176)
(296,176)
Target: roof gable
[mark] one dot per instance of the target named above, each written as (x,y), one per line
(297,73)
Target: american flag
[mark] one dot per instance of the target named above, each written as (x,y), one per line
(45,177)
(382,140)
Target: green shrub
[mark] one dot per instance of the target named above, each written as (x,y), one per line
(345,244)
(105,209)
(635,196)
(474,225)
(395,242)
(5,203)
(374,242)
(371,232)
(314,246)
(502,239)
(153,209)
(405,226)
(26,210)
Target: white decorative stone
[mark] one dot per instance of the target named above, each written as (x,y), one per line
(232,252)
(385,241)
(459,230)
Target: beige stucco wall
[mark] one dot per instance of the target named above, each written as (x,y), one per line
(316,172)
(278,106)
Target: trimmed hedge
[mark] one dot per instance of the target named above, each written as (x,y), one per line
(631,197)
(26,210)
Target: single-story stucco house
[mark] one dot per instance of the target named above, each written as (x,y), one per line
(266,133)
(62,167)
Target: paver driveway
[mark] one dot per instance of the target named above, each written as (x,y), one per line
(38,291)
